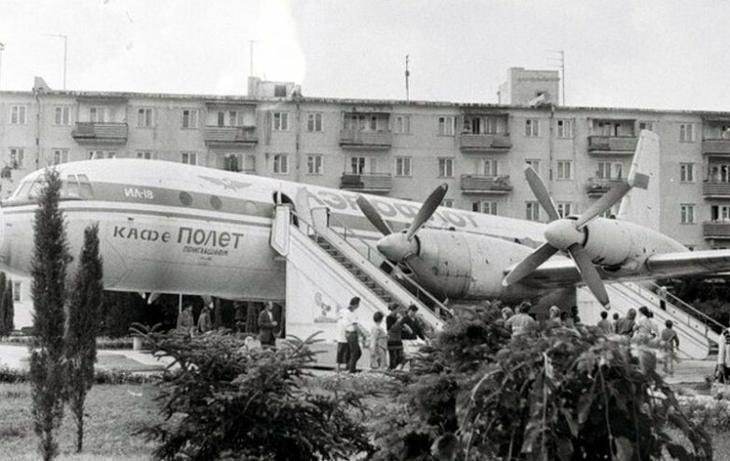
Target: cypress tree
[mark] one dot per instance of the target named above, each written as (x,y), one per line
(8,303)
(4,329)
(48,269)
(82,328)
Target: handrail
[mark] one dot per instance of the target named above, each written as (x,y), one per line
(683,306)
(441,307)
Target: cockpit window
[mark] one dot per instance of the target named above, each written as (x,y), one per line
(86,191)
(70,187)
(73,187)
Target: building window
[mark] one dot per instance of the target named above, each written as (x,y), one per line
(534,164)
(446,167)
(100,154)
(249,163)
(281,121)
(144,117)
(281,164)
(17,115)
(446,126)
(402,124)
(565,209)
(62,115)
(720,213)
(145,154)
(610,170)
(687,132)
(532,211)
(403,166)
(686,172)
(189,158)
(314,122)
(687,211)
(484,206)
(489,168)
(17,290)
(565,128)
(60,156)
(97,115)
(565,170)
(190,118)
(314,164)
(447,203)
(646,126)
(16,157)
(280,91)
(532,127)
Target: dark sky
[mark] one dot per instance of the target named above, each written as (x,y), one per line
(661,54)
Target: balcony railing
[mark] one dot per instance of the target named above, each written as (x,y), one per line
(716,146)
(719,230)
(356,139)
(476,184)
(469,142)
(612,144)
(595,187)
(716,189)
(230,136)
(100,133)
(374,182)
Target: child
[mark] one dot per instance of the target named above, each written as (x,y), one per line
(670,340)
(378,343)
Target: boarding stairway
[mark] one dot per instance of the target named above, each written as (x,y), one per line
(325,267)
(698,333)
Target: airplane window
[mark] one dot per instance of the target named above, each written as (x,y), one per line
(215,202)
(35,189)
(85,187)
(186,198)
(70,187)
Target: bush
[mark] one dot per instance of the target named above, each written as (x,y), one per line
(14,375)
(708,412)
(102,342)
(564,394)
(228,401)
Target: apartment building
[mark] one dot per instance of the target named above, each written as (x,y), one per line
(396,148)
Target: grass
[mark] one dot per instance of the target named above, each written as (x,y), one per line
(114,414)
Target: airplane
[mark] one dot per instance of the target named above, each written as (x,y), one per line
(174,228)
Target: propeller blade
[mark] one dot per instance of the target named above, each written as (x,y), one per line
(604,203)
(541,193)
(529,264)
(589,274)
(373,216)
(427,209)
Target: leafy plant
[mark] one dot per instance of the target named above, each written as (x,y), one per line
(224,400)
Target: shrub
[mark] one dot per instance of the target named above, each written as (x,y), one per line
(227,401)
(14,375)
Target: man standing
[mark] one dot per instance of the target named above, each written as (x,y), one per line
(723,357)
(353,332)
(625,326)
(204,322)
(186,322)
(415,329)
(394,326)
(267,325)
(521,323)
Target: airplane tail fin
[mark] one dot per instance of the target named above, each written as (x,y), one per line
(641,205)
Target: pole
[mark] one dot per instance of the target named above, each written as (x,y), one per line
(561,61)
(2,47)
(65,60)
(250,58)
(408,74)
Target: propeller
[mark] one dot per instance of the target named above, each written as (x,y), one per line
(399,247)
(567,235)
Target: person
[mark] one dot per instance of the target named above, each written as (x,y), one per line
(353,332)
(722,373)
(343,352)
(378,343)
(521,323)
(625,326)
(553,320)
(204,322)
(645,330)
(574,315)
(267,325)
(605,325)
(662,293)
(615,321)
(394,326)
(185,321)
(415,329)
(670,341)
(507,313)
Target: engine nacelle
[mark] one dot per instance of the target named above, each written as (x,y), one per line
(609,242)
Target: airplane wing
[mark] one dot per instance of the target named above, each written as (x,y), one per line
(559,272)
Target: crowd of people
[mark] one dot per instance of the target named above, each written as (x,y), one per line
(385,342)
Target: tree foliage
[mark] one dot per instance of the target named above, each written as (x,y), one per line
(228,401)
(48,269)
(7,310)
(565,394)
(82,328)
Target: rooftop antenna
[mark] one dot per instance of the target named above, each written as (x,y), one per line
(559,58)
(408,74)
(65,54)
(250,57)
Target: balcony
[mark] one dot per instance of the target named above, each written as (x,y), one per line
(230,136)
(716,230)
(622,145)
(484,142)
(716,189)
(716,146)
(475,184)
(596,187)
(92,133)
(373,183)
(371,140)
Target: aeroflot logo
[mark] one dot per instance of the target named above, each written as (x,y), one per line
(391,209)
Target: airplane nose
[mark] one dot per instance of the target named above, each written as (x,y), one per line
(562,234)
(396,247)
